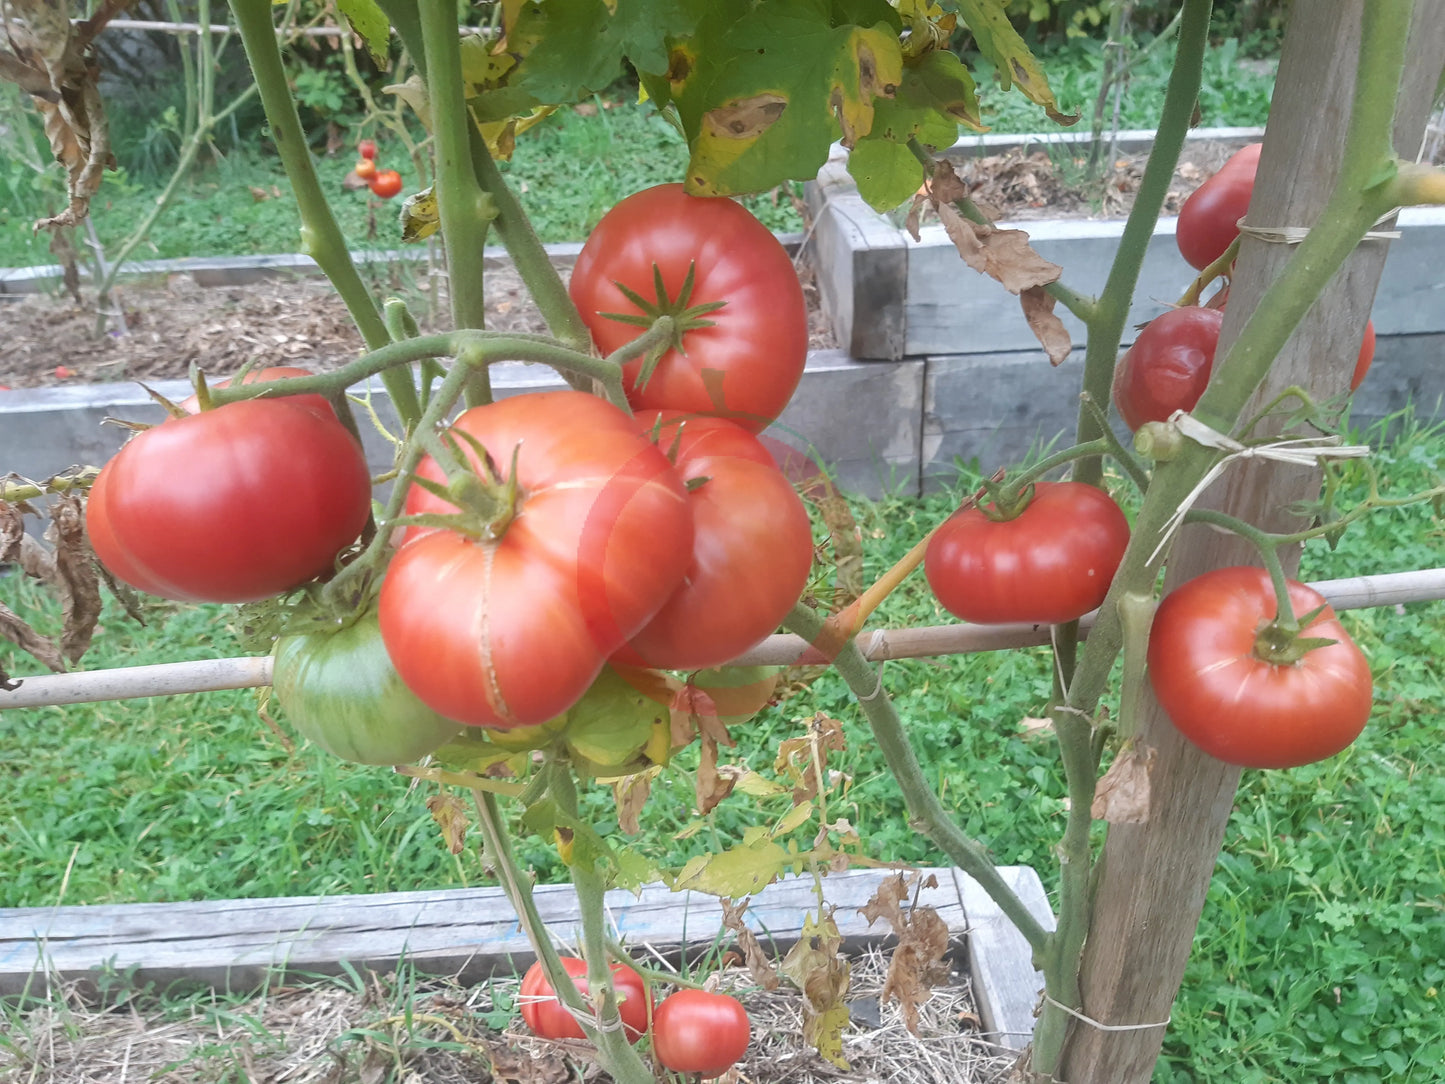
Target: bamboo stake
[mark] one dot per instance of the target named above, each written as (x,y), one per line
(879,645)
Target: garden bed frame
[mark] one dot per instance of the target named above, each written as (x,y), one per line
(472,933)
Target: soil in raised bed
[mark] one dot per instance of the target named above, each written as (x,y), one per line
(355,1032)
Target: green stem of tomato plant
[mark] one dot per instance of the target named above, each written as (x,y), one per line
(464,209)
(1219,267)
(866,684)
(1111,312)
(1361,195)
(618,1055)
(320,235)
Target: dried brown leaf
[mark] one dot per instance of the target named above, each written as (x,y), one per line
(43,648)
(947,188)
(914,213)
(803,758)
(76,577)
(712,785)
(12,530)
(885,903)
(846,540)
(1003,255)
(630,793)
(916,966)
(758,964)
(1038,307)
(817,967)
(451,817)
(1123,795)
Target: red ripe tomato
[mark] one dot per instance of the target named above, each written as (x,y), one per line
(1168,366)
(1209,220)
(694,1031)
(510,626)
(548,1017)
(365,168)
(367,149)
(1367,355)
(742,508)
(1053,562)
(1206,668)
(386,183)
(234,504)
(746,365)
(317,403)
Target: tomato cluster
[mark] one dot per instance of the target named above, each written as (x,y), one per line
(1169,364)
(693,1031)
(384,183)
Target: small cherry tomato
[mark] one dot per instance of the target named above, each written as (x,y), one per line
(549,1018)
(386,183)
(367,149)
(694,1031)
(365,168)
(1367,355)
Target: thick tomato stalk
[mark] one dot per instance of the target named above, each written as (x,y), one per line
(752,547)
(1051,563)
(695,1031)
(235,504)
(340,690)
(1244,693)
(507,619)
(548,1018)
(741,361)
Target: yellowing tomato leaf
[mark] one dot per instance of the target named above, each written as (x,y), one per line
(816,966)
(997,40)
(737,871)
(368,20)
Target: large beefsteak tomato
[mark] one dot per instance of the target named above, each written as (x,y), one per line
(1211,668)
(697,1031)
(1051,563)
(508,621)
(234,504)
(743,508)
(742,360)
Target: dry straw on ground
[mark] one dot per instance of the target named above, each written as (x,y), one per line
(390,1030)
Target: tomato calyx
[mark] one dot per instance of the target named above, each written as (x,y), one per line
(1002,505)
(486,502)
(686,317)
(1279,641)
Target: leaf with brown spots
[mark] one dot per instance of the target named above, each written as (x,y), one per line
(817,967)
(451,817)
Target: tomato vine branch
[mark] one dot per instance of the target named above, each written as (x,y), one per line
(866,685)
(465,210)
(321,236)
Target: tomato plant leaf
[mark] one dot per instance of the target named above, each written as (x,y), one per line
(816,966)
(997,40)
(738,871)
(1004,255)
(1123,794)
(368,20)
(613,721)
(758,964)
(887,173)
(763,92)
(451,817)
(76,577)
(1038,306)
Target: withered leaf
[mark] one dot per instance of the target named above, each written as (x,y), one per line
(947,187)
(1003,255)
(76,577)
(758,964)
(1038,307)
(20,634)
(816,966)
(631,792)
(451,817)
(712,785)
(916,965)
(915,212)
(1123,795)
(12,530)
(802,758)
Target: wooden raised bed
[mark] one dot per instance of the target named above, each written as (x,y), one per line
(473,933)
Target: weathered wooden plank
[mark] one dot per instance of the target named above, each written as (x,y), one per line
(473,933)
(861,261)
(1005,984)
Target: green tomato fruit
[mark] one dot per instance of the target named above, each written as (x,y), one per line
(340,689)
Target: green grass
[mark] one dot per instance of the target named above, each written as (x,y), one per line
(1322,946)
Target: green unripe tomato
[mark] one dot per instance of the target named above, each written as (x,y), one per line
(339,689)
